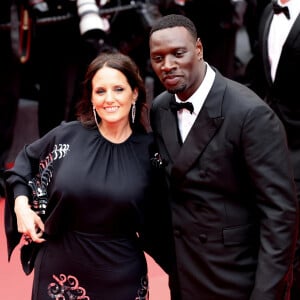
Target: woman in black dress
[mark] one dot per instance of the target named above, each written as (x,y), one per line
(84,193)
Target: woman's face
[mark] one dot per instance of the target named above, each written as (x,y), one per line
(112,96)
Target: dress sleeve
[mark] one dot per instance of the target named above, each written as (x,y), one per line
(16,181)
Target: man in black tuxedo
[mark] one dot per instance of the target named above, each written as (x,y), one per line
(231,188)
(275,77)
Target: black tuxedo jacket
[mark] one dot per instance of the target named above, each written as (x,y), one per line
(232,197)
(283,95)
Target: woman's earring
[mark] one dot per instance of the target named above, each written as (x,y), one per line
(133,111)
(95,115)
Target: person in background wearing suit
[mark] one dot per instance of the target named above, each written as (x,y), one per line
(275,67)
(231,187)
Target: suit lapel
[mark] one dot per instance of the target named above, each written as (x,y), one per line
(170,131)
(294,32)
(167,128)
(265,33)
(205,127)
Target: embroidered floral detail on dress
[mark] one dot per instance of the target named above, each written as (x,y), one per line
(143,291)
(40,182)
(66,288)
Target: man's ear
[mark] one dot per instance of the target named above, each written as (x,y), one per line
(199,48)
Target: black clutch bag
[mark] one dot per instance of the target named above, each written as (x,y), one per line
(28,255)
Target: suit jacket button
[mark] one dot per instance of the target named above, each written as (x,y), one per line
(203,237)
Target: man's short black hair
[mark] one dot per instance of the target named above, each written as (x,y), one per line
(174,20)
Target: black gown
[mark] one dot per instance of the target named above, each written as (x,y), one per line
(97,192)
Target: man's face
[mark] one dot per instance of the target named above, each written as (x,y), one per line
(176,59)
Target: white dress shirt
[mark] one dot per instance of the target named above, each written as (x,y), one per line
(185,118)
(279,30)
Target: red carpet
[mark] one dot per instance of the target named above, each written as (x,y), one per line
(15,285)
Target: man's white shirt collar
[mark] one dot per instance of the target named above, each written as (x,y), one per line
(201,93)
(185,118)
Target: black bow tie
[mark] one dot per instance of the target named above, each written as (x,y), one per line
(281,9)
(175,106)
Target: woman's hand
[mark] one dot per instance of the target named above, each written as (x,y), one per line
(29,223)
